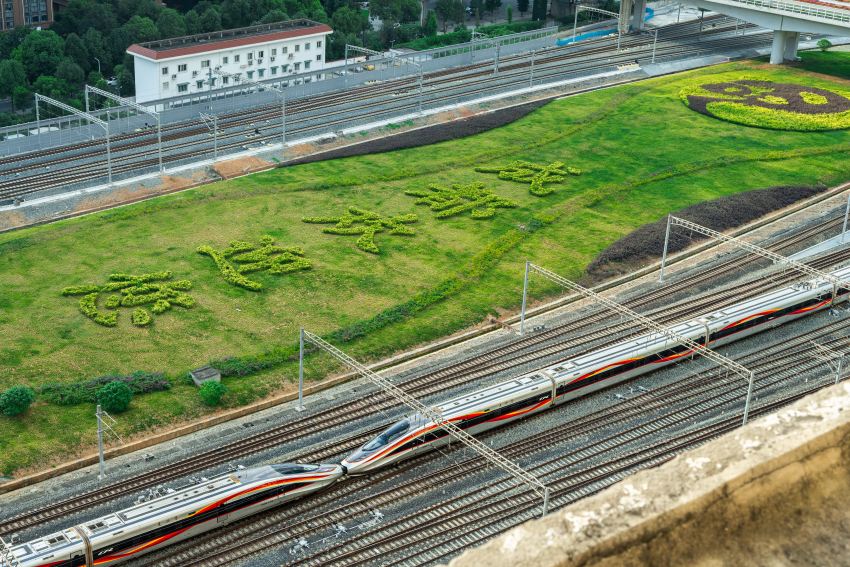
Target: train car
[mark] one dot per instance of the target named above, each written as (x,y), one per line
(176,516)
(537,391)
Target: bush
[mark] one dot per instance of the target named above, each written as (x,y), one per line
(115,397)
(86,392)
(824,44)
(16,400)
(212,392)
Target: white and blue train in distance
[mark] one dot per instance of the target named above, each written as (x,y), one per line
(540,390)
(152,525)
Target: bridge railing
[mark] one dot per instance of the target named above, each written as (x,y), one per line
(835,14)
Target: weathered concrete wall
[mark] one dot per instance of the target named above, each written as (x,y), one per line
(776,492)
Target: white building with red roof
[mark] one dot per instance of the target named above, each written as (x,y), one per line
(187,65)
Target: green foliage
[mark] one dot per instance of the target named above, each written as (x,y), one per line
(536,175)
(212,392)
(69,394)
(367,224)
(70,72)
(41,52)
(450,11)
(241,258)
(522,6)
(510,14)
(133,291)
(463,35)
(481,203)
(114,397)
(431,24)
(16,400)
(539,9)
(824,44)
(12,74)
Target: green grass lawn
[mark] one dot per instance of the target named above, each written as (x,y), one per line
(642,153)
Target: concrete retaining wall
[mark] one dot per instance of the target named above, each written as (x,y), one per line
(776,492)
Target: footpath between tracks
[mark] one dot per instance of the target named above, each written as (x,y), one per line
(407,356)
(775,492)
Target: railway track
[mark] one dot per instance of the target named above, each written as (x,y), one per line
(501,358)
(607,431)
(403,99)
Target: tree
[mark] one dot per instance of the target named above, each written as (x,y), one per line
(210,21)
(16,400)
(126,82)
(431,24)
(12,74)
(76,49)
(350,21)
(492,6)
(539,9)
(477,7)
(212,392)
(41,52)
(824,44)
(170,23)
(510,14)
(51,86)
(82,15)
(395,10)
(445,11)
(522,6)
(140,29)
(11,39)
(70,72)
(274,16)
(21,97)
(97,48)
(115,397)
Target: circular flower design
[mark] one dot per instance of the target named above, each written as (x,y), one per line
(765,104)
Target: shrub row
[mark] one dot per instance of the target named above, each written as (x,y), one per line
(86,392)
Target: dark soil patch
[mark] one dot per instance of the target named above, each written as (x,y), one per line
(430,134)
(647,242)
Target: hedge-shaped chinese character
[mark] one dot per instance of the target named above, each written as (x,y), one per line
(241,258)
(459,199)
(367,224)
(536,175)
(125,290)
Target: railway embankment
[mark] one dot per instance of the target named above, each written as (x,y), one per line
(775,492)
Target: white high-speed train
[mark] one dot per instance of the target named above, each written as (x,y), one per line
(194,509)
(540,390)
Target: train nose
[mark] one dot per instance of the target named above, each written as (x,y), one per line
(344,470)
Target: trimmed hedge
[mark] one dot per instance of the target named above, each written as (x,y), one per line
(86,392)
(241,258)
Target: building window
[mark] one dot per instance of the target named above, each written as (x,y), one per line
(306,65)
(260,54)
(274,70)
(284,50)
(183,88)
(205,64)
(297,66)
(250,74)
(165,70)
(319,57)
(199,84)
(250,56)
(318,77)
(236,59)
(165,85)
(224,60)
(274,52)
(225,80)
(306,46)
(318,44)
(284,68)
(297,47)
(261,72)
(181,67)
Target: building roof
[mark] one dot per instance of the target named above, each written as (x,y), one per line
(226,39)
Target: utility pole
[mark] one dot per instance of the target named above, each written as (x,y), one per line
(300,406)
(101,474)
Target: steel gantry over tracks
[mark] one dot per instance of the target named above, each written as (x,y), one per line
(650,324)
(137,107)
(513,469)
(84,115)
(238,78)
(837,283)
